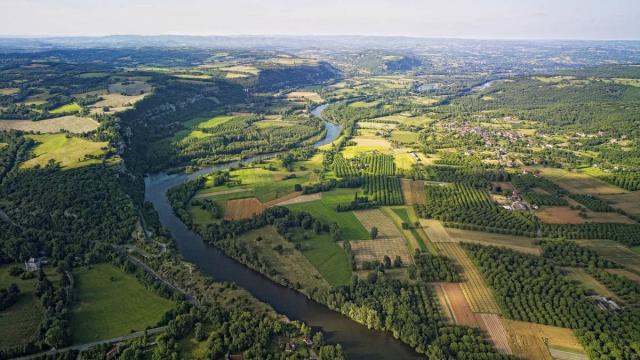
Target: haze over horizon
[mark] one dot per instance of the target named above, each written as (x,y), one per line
(492,19)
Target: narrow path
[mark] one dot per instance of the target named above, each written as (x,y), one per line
(159,277)
(83,347)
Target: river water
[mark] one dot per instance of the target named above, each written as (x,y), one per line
(357,341)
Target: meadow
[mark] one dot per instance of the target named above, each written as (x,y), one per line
(325,211)
(70,152)
(112,303)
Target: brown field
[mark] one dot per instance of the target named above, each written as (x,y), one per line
(526,339)
(518,243)
(9,91)
(369,142)
(305,95)
(614,251)
(375,217)
(456,301)
(71,123)
(301,199)
(476,291)
(626,273)
(116,103)
(232,75)
(629,202)
(435,231)
(444,303)
(239,209)
(566,215)
(492,325)
(375,250)
(413,191)
(503,184)
(579,183)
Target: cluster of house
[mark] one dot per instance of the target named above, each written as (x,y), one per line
(606,304)
(34,264)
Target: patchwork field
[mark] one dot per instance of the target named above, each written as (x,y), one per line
(376,218)
(526,340)
(566,215)
(413,191)
(112,303)
(69,152)
(70,123)
(476,291)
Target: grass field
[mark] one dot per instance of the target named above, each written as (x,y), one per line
(526,339)
(518,243)
(404,137)
(614,251)
(476,291)
(68,108)
(305,95)
(416,239)
(566,215)
(289,262)
(325,211)
(328,258)
(579,183)
(70,123)
(268,185)
(69,152)
(580,276)
(112,303)
(629,202)
(19,323)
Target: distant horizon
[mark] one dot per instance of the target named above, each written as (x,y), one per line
(275,35)
(460,19)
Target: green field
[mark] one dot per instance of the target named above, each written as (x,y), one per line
(324,210)
(404,216)
(267,185)
(112,303)
(328,258)
(68,108)
(69,152)
(19,323)
(404,137)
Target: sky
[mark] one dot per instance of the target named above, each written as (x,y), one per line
(492,19)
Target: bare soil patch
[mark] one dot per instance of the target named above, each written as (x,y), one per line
(283,199)
(518,243)
(413,191)
(436,232)
(461,310)
(305,95)
(239,209)
(526,339)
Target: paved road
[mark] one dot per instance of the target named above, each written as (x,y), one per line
(83,347)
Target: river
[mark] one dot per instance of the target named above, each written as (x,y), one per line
(357,341)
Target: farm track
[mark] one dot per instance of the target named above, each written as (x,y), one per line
(476,291)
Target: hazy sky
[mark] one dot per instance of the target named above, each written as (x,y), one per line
(537,19)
